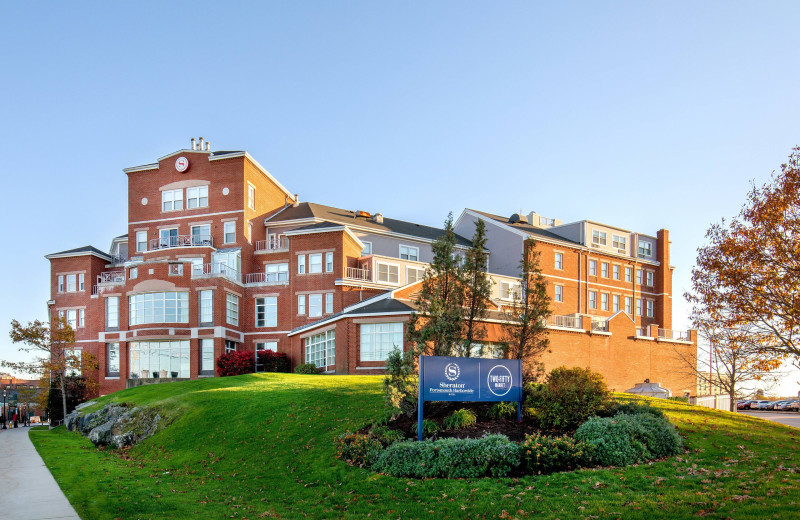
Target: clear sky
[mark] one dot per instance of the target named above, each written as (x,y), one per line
(643,115)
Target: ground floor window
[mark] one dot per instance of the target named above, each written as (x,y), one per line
(267,345)
(207,356)
(230,346)
(112,359)
(378,339)
(321,349)
(158,359)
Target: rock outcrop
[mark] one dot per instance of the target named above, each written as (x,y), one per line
(116,424)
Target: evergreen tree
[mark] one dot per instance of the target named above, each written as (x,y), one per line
(525,331)
(436,327)
(476,289)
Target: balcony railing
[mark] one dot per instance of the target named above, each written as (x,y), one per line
(111,277)
(116,259)
(276,244)
(181,241)
(677,335)
(216,270)
(267,278)
(641,332)
(567,322)
(600,325)
(354,273)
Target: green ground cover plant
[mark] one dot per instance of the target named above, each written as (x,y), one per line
(460,419)
(262,446)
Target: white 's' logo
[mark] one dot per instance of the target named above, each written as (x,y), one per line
(451,371)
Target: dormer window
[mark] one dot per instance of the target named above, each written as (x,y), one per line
(645,248)
(599,237)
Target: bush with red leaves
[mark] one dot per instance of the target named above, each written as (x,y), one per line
(243,362)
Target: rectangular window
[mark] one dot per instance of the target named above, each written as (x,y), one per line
(618,241)
(328,262)
(301,264)
(604,301)
(81,317)
(328,303)
(592,299)
(201,235)
(379,339)
(171,200)
(628,274)
(72,318)
(141,241)
(559,295)
(168,237)
(314,305)
(230,346)
(315,263)
(231,309)
(206,299)
(639,276)
(61,283)
(197,197)
(598,237)
(414,275)
(276,273)
(301,304)
(650,278)
(251,196)
(321,349)
(176,269)
(267,311)
(230,232)
(112,359)
(409,253)
(81,280)
(629,305)
(133,273)
(159,359)
(638,306)
(645,248)
(649,308)
(71,283)
(161,307)
(267,345)
(207,356)
(510,291)
(616,301)
(367,248)
(559,264)
(388,273)
(604,270)
(593,267)
(112,312)
(617,272)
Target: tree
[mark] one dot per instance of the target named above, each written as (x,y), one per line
(748,276)
(476,290)
(52,347)
(435,328)
(525,330)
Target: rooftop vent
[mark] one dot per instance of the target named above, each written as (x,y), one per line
(296,200)
(364,214)
(377,218)
(516,218)
(201,145)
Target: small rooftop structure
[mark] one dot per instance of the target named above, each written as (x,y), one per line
(649,389)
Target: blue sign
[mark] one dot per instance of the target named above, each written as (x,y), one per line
(468,379)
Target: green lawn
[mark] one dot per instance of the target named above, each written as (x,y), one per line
(261,446)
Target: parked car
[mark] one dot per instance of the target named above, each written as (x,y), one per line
(778,405)
(744,405)
(795,406)
(760,405)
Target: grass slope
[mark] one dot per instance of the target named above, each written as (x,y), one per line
(261,446)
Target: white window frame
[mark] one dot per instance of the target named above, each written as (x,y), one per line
(599,237)
(301,264)
(615,302)
(593,299)
(207,356)
(407,254)
(198,194)
(616,272)
(639,276)
(165,237)
(619,242)
(638,306)
(301,304)
(315,305)
(650,278)
(205,302)
(231,309)
(367,248)
(559,293)
(649,308)
(645,248)
(112,347)
(81,318)
(112,312)
(72,283)
(559,261)
(272,345)
(604,269)
(251,196)
(203,237)
(604,301)
(158,307)
(510,291)
(373,345)
(324,344)
(81,282)
(133,273)
(226,230)
(328,262)
(141,241)
(267,311)
(628,274)
(276,273)
(72,318)
(172,197)
(389,275)
(329,303)
(419,274)
(592,267)
(61,283)
(314,263)
(629,305)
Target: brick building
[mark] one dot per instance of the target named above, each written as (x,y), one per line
(219,256)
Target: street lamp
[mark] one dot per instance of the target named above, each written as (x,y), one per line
(4,409)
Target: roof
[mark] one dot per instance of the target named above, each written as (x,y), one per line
(527,228)
(80,251)
(309,210)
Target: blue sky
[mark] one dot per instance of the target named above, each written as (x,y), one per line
(643,115)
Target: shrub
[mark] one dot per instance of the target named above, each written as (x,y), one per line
(400,384)
(630,408)
(613,443)
(492,455)
(236,363)
(503,410)
(386,436)
(459,420)
(271,361)
(306,368)
(541,454)
(655,432)
(358,449)
(568,397)
(429,427)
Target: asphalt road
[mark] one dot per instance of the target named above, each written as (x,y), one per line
(787,418)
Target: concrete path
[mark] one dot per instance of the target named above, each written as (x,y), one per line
(27,489)
(787,418)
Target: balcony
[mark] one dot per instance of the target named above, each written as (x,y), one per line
(181,241)
(599,325)
(111,277)
(216,270)
(674,335)
(273,245)
(354,273)
(565,322)
(267,278)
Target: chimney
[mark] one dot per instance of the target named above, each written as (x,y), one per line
(377,218)
(202,144)
(208,146)
(296,200)
(194,144)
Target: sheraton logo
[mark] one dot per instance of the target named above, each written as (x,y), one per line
(452,371)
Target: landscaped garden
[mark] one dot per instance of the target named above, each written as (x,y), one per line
(263,445)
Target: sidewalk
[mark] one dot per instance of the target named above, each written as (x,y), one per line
(27,489)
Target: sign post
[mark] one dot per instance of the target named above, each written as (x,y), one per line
(468,379)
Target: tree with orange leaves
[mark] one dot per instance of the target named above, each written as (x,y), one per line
(747,279)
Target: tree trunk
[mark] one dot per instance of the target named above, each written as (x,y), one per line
(63,398)
(733,400)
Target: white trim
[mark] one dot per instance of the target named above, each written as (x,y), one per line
(400,253)
(345,228)
(102,256)
(371,368)
(142,168)
(377,263)
(313,326)
(187,216)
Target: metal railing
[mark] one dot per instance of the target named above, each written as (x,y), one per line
(111,277)
(277,244)
(216,270)
(181,241)
(115,259)
(677,335)
(544,221)
(267,278)
(354,273)
(567,322)
(600,325)
(641,332)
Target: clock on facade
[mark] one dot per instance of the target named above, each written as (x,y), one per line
(181,164)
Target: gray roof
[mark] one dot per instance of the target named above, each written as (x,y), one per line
(527,228)
(348,217)
(80,251)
